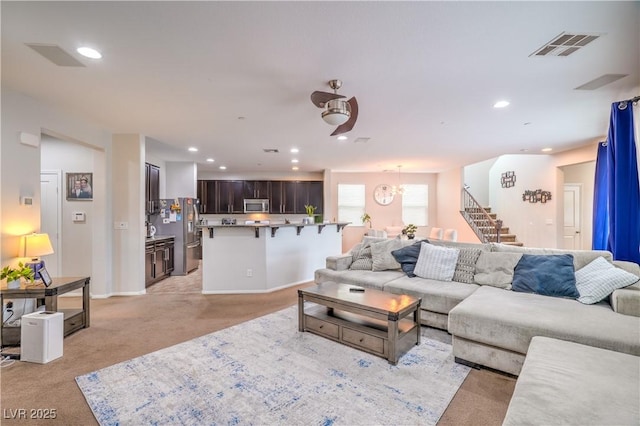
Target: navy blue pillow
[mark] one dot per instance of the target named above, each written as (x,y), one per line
(549,275)
(407,257)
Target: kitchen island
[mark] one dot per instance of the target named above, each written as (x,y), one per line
(259,258)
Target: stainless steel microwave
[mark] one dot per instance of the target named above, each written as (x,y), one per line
(256,205)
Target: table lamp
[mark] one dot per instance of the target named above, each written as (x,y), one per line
(36,245)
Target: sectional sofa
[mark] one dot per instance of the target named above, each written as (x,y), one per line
(493,326)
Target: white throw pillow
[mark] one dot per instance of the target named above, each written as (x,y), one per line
(436,263)
(599,279)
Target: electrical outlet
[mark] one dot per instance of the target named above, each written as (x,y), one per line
(120,225)
(249,272)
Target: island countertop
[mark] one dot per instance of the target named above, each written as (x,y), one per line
(272,226)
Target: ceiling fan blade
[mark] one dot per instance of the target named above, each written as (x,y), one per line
(320,99)
(348,125)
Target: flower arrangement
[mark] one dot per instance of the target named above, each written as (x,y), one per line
(366,218)
(410,230)
(13,274)
(311,210)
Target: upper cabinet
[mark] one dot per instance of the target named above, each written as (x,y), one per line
(208,196)
(152,187)
(257,189)
(230,196)
(285,197)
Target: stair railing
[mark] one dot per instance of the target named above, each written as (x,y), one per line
(471,210)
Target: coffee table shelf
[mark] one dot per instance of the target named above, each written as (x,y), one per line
(374,321)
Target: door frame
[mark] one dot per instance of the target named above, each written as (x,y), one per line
(58,246)
(578,207)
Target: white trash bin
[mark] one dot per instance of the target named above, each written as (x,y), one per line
(41,336)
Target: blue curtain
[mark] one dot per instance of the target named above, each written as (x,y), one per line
(616,211)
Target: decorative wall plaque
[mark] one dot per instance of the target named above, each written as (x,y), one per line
(536,196)
(508,179)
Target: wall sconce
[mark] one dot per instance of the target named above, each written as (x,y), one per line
(34,246)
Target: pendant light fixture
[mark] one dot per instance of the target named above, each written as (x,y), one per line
(398,189)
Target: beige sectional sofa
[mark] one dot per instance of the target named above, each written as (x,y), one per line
(581,361)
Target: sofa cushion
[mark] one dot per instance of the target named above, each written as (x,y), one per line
(508,320)
(548,275)
(437,296)
(407,257)
(496,269)
(457,244)
(369,279)
(580,257)
(381,253)
(571,384)
(599,279)
(437,263)
(466,265)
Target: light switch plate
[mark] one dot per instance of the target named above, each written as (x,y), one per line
(120,225)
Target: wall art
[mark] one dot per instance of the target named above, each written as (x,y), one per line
(536,196)
(79,186)
(508,179)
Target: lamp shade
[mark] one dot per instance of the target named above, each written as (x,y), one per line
(36,245)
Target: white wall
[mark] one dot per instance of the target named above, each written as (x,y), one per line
(477,177)
(449,204)
(180,179)
(20,171)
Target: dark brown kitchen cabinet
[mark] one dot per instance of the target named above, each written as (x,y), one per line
(152,187)
(290,197)
(257,189)
(230,196)
(309,193)
(159,260)
(207,194)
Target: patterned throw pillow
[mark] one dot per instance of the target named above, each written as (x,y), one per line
(466,265)
(436,263)
(599,279)
(364,261)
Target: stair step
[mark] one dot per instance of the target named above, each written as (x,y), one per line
(503,230)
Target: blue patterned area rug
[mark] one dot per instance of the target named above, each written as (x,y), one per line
(265,372)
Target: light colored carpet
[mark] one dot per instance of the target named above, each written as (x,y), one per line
(266,372)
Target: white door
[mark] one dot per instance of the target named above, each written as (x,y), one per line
(50,217)
(572,232)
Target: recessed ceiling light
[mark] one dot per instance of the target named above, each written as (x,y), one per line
(501,104)
(546,149)
(294,160)
(193,149)
(294,150)
(89,52)
(294,168)
(210,160)
(223,167)
(342,138)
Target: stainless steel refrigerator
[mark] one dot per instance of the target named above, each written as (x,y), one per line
(178,217)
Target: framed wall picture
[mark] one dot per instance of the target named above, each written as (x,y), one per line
(80,186)
(46,278)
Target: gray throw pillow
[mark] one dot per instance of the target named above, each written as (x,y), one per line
(599,279)
(381,253)
(496,269)
(364,262)
(466,265)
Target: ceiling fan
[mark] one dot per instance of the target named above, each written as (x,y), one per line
(337,111)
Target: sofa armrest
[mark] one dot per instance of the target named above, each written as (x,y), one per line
(340,262)
(626,301)
(630,267)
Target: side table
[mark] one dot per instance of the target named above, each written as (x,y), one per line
(74,319)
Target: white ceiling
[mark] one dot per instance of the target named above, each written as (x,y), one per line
(425,74)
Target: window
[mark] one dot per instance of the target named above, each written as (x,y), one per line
(415,205)
(350,203)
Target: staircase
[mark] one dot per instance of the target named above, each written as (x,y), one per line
(485,224)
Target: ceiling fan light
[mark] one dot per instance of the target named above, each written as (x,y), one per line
(337,112)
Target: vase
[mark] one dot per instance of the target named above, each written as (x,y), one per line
(12,285)
(411,236)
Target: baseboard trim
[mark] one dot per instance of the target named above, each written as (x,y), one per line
(256,291)
(482,367)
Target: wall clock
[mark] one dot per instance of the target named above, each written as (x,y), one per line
(383,194)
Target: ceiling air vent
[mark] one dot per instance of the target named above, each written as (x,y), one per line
(55,54)
(361,140)
(270,150)
(565,44)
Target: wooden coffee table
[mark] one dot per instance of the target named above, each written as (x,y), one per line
(373,321)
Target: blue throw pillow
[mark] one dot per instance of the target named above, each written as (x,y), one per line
(407,258)
(548,275)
